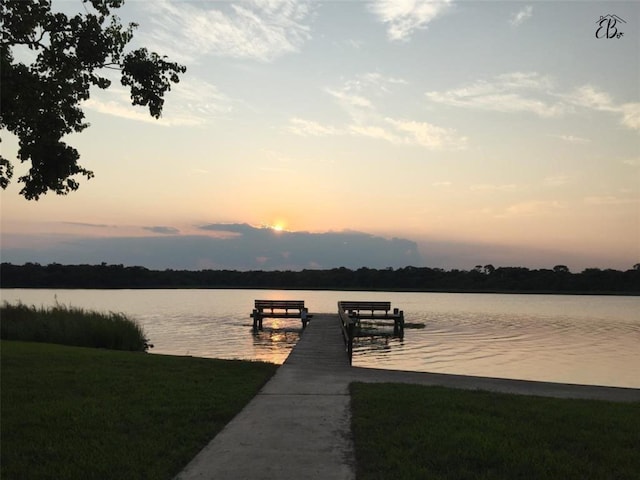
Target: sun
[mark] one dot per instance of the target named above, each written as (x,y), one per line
(278,227)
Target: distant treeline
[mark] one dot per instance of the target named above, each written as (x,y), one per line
(480,279)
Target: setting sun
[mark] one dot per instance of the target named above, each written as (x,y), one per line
(278,227)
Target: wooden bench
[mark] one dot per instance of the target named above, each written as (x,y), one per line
(372,311)
(279,309)
(367,306)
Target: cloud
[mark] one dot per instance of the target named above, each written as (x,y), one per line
(376,132)
(521,16)
(305,128)
(631,115)
(350,99)
(258,30)
(397,132)
(609,200)
(249,248)
(556,181)
(531,92)
(590,97)
(427,135)
(495,188)
(512,92)
(191,102)
(356,96)
(91,225)
(572,138)
(403,18)
(534,208)
(162,230)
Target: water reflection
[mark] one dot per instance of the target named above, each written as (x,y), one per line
(274,342)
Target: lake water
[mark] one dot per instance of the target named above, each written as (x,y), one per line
(560,338)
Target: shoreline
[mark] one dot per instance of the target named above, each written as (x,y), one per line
(323,289)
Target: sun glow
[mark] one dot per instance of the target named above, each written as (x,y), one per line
(277,227)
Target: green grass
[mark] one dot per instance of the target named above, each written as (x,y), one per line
(416,432)
(71,326)
(80,413)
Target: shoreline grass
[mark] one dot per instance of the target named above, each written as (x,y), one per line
(79,413)
(68,325)
(411,431)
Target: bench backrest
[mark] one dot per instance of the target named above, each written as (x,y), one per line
(370,306)
(279,304)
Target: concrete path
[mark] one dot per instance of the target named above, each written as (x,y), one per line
(299,425)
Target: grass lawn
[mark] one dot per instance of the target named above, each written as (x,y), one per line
(83,413)
(418,432)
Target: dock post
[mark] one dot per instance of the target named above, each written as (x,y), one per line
(398,324)
(350,334)
(257,320)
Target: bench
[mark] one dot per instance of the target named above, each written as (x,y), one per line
(279,309)
(368,306)
(357,311)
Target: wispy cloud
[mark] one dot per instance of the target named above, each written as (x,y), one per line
(588,96)
(427,135)
(534,208)
(350,99)
(572,139)
(357,98)
(521,16)
(397,132)
(162,230)
(512,92)
(92,225)
(631,115)
(632,162)
(531,92)
(303,127)
(403,18)
(373,131)
(192,102)
(556,181)
(494,188)
(259,29)
(610,200)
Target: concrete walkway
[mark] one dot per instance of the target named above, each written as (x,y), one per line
(299,425)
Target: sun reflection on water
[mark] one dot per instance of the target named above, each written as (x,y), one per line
(274,343)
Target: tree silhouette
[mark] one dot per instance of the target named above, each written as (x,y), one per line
(40,100)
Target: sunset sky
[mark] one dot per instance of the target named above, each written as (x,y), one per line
(485,132)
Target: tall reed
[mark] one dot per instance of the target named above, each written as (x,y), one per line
(68,325)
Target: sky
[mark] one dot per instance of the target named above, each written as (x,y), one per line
(442,134)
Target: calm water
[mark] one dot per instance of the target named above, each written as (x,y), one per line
(574,339)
